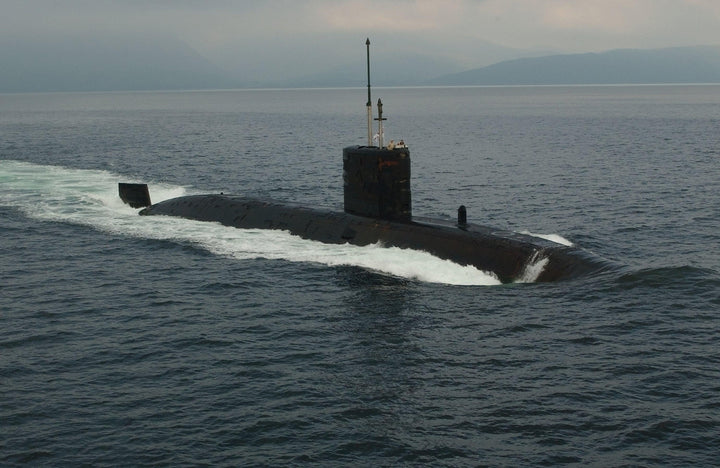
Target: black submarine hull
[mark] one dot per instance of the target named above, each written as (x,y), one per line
(510,256)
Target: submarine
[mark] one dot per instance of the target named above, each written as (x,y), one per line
(378,210)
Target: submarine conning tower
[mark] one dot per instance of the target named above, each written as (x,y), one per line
(376,179)
(377,182)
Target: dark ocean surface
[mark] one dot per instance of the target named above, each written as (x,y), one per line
(151,341)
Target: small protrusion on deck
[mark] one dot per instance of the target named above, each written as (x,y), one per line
(135,195)
(462,216)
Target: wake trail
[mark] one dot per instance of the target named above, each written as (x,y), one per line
(90,198)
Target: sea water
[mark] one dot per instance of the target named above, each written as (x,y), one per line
(129,340)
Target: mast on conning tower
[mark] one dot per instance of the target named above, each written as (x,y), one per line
(369,101)
(380,119)
(376,179)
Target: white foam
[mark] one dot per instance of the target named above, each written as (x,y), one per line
(534,266)
(558,239)
(90,197)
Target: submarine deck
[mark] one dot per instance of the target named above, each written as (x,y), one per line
(507,254)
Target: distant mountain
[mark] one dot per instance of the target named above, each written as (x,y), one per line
(320,59)
(153,62)
(624,66)
(401,70)
(103,63)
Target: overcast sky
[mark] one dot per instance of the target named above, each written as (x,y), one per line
(232,32)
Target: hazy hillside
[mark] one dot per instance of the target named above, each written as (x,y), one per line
(672,65)
(87,63)
(406,70)
(338,59)
(109,63)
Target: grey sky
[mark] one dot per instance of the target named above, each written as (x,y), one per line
(307,33)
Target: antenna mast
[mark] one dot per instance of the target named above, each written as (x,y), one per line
(369,101)
(380,124)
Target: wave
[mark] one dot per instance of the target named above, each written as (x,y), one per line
(671,276)
(533,268)
(558,239)
(90,198)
